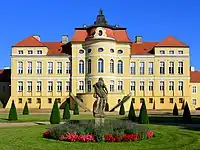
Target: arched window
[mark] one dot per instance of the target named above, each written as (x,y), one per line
(81,66)
(89,66)
(112,66)
(100,65)
(120,66)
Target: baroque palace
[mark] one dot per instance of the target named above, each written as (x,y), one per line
(157,72)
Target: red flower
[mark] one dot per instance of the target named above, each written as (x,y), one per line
(117,138)
(46,133)
(150,134)
(109,138)
(131,137)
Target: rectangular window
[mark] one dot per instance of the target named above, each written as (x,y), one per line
(194,101)
(171,100)
(50,86)
(171,52)
(67,85)
(20,86)
(180,85)
(20,67)
(150,67)
(39,52)
(120,85)
(20,51)
(132,85)
(180,100)
(150,100)
(112,85)
(81,85)
(141,100)
(30,52)
(50,68)
(49,100)
(171,67)
(142,66)
(29,100)
(38,100)
(29,69)
(59,67)
(194,89)
(39,67)
(141,85)
(162,100)
(162,67)
(39,86)
(150,85)
(20,100)
(29,86)
(133,100)
(132,68)
(180,52)
(162,52)
(59,86)
(162,86)
(180,67)
(89,88)
(171,85)
(68,67)
(58,100)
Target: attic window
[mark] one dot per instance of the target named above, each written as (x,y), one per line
(100,32)
(20,51)
(180,52)
(100,49)
(112,50)
(81,51)
(30,52)
(120,51)
(162,52)
(39,52)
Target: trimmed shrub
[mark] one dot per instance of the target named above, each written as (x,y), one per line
(25,110)
(122,110)
(143,117)
(131,114)
(55,114)
(66,113)
(76,110)
(175,110)
(13,112)
(186,114)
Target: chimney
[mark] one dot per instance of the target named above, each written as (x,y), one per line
(37,37)
(138,39)
(64,39)
(192,68)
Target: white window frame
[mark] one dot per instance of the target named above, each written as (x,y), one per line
(151,87)
(162,67)
(162,86)
(50,86)
(59,86)
(112,66)
(67,85)
(120,68)
(39,67)
(180,85)
(29,67)
(132,86)
(120,85)
(194,89)
(19,67)
(150,68)
(68,67)
(171,85)
(194,101)
(180,67)
(29,86)
(38,86)
(171,67)
(59,67)
(50,67)
(132,68)
(20,86)
(89,85)
(142,67)
(112,85)
(142,85)
(100,65)
(81,85)
(39,52)
(81,66)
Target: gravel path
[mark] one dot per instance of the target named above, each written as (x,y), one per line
(20,124)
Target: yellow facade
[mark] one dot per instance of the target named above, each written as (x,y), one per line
(96,49)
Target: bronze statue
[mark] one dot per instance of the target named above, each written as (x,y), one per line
(100,93)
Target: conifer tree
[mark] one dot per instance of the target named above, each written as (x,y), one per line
(55,114)
(186,114)
(66,113)
(25,110)
(122,110)
(131,114)
(13,112)
(175,110)
(76,110)
(143,117)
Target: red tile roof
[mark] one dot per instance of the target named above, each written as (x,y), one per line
(54,48)
(171,41)
(118,35)
(195,76)
(29,41)
(142,48)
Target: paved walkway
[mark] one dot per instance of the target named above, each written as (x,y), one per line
(20,124)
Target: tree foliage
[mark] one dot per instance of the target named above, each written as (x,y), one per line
(143,117)
(55,114)
(13,112)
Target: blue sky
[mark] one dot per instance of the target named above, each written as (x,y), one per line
(153,19)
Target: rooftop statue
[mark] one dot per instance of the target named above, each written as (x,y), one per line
(100,93)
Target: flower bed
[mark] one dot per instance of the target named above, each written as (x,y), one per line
(110,131)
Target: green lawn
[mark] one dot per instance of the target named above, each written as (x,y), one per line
(167,137)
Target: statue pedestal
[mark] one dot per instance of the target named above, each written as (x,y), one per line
(99,121)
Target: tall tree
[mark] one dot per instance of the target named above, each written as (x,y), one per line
(13,112)
(55,114)
(66,113)
(143,117)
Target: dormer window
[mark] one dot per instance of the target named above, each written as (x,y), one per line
(30,52)
(20,51)
(81,51)
(180,52)
(171,52)
(162,52)
(100,49)
(120,51)
(112,50)
(39,52)
(100,32)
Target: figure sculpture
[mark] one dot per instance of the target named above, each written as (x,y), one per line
(100,93)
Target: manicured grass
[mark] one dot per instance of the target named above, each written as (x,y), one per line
(167,137)
(45,117)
